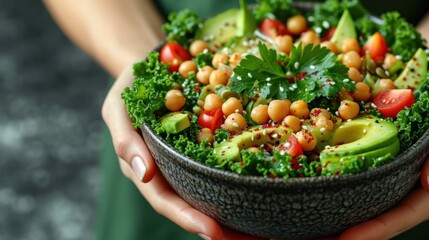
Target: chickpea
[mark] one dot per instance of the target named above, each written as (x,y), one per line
(331,46)
(259,114)
(284,43)
(309,37)
(362,92)
(174,100)
(235,122)
(253,149)
(292,122)
(235,59)
(389,60)
(187,67)
(345,95)
(306,139)
(321,122)
(198,46)
(355,75)
(203,75)
(219,58)
(352,59)
(278,109)
(350,44)
(205,134)
(232,105)
(212,102)
(348,109)
(317,112)
(384,84)
(299,109)
(296,24)
(218,77)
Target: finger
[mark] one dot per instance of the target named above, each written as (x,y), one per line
(127,141)
(166,202)
(425,176)
(229,234)
(409,213)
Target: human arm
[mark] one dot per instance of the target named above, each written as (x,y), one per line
(117,34)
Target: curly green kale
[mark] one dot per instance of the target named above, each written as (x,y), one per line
(182,26)
(413,122)
(401,36)
(279,9)
(144,100)
(328,14)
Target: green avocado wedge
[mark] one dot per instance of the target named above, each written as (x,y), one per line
(175,122)
(246,21)
(253,137)
(360,143)
(414,73)
(345,29)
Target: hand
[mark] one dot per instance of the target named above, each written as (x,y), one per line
(138,165)
(413,210)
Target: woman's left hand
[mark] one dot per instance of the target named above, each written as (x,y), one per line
(413,210)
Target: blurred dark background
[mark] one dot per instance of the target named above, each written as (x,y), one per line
(50,99)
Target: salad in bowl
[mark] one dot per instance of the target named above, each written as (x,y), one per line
(265,116)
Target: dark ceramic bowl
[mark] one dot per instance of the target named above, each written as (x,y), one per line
(298,208)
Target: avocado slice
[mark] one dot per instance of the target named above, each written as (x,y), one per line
(218,30)
(365,138)
(360,162)
(414,73)
(345,29)
(175,122)
(246,21)
(255,136)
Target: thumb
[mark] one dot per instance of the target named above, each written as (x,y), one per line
(128,143)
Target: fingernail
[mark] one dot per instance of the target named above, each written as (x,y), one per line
(138,167)
(204,237)
(427,178)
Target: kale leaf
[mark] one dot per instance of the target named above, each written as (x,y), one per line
(278,9)
(144,100)
(182,26)
(401,36)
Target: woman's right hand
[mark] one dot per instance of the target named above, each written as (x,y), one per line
(138,165)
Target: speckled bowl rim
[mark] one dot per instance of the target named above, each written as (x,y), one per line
(293,183)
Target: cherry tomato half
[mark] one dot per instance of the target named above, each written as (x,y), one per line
(173,54)
(211,119)
(389,102)
(329,34)
(376,47)
(273,28)
(292,147)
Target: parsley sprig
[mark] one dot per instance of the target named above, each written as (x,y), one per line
(308,72)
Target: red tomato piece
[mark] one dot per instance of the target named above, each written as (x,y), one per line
(389,102)
(211,119)
(292,147)
(173,54)
(376,47)
(329,34)
(273,28)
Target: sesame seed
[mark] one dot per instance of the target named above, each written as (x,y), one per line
(249,74)
(327,146)
(291,88)
(289,74)
(312,67)
(296,65)
(282,152)
(364,131)
(239,78)
(235,125)
(326,24)
(275,135)
(268,79)
(262,145)
(225,147)
(322,129)
(282,89)
(310,19)
(236,110)
(253,138)
(318,29)
(346,80)
(294,86)
(286,144)
(304,127)
(269,84)
(264,132)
